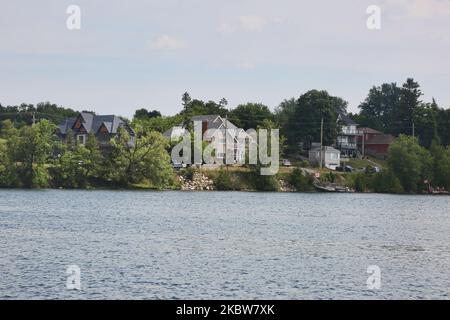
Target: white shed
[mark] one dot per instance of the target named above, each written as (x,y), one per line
(331,157)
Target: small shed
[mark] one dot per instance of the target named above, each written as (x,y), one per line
(331,157)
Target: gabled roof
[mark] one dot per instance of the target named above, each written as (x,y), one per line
(346,119)
(176,131)
(92,123)
(326,149)
(214,121)
(215,124)
(369,130)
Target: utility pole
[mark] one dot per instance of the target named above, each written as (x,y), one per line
(321,143)
(413,129)
(226,149)
(363,144)
(34,118)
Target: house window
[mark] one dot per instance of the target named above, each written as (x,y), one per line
(220,155)
(81,138)
(333,156)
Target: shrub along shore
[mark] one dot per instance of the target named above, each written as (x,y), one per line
(32,157)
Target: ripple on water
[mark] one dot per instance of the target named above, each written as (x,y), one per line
(180,245)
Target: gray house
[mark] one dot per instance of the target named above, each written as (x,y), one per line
(215,131)
(103,127)
(331,157)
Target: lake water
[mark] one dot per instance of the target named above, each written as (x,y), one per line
(196,245)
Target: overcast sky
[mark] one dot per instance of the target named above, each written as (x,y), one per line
(142,53)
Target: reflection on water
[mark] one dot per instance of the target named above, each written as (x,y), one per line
(183,245)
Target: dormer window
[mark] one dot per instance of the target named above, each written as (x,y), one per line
(81,139)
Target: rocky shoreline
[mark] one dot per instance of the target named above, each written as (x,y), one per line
(199,182)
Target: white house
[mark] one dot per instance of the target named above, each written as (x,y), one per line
(347,138)
(216,130)
(331,157)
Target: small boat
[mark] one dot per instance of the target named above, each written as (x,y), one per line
(325,188)
(439,192)
(343,189)
(331,188)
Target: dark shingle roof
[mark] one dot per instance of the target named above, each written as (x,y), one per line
(214,121)
(346,119)
(93,122)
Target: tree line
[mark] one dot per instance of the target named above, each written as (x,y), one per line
(32,156)
(388,108)
(411,168)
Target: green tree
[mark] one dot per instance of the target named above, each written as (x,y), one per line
(410,162)
(311,107)
(79,166)
(34,150)
(159,124)
(8,173)
(147,159)
(261,182)
(441,165)
(22,115)
(186,99)
(223,181)
(283,113)
(360,182)
(386,182)
(70,171)
(378,109)
(144,114)
(300,181)
(443,125)
(250,115)
(426,127)
(223,102)
(199,107)
(409,102)
(282,142)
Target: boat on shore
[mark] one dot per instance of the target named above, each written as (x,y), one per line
(331,188)
(440,192)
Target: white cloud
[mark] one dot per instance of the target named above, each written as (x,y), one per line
(252,22)
(420,8)
(226,28)
(246,65)
(165,42)
(249,23)
(429,8)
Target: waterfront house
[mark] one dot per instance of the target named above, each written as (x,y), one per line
(331,157)
(175,132)
(347,138)
(374,143)
(104,127)
(216,130)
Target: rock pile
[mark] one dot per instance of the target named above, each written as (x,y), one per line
(199,182)
(285,187)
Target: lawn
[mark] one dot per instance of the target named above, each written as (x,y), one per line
(362,163)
